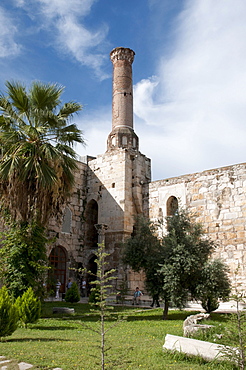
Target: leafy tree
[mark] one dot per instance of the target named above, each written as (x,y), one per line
(37,157)
(37,166)
(23,258)
(144,251)
(176,263)
(72,294)
(187,250)
(29,307)
(215,285)
(8,314)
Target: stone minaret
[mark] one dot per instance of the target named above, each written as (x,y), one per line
(122,134)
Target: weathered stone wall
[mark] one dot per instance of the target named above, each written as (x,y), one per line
(115,181)
(218,198)
(72,240)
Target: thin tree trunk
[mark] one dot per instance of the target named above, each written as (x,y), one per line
(165,311)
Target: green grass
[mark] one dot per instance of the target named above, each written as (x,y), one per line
(135,343)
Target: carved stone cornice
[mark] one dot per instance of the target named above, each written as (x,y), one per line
(122,54)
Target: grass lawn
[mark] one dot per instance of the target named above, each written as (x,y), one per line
(135,343)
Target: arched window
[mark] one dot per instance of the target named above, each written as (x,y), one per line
(172,206)
(91,218)
(67,221)
(58,263)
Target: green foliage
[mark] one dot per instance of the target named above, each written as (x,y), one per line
(29,307)
(100,293)
(8,314)
(186,252)
(23,258)
(236,333)
(94,295)
(173,265)
(143,251)
(72,294)
(37,162)
(215,285)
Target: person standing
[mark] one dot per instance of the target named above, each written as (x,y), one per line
(83,286)
(58,285)
(69,284)
(155,300)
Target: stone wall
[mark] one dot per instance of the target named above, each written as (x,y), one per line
(72,238)
(218,199)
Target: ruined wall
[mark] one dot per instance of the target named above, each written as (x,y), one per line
(70,236)
(218,197)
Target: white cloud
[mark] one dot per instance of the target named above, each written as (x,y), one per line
(96,127)
(64,21)
(196,106)
(8,45)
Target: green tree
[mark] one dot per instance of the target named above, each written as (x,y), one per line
(37,157)
(23,258)
(173,264)
(8,314)
(144,251)
(37,166)
(29,307)
(72,294)
(215,285)
(187,250)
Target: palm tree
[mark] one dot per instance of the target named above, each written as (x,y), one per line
(37,161)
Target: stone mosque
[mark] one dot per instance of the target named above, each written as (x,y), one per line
(114,187)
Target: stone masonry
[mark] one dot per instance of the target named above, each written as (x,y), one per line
(115,186)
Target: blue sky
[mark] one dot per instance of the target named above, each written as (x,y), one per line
(189,71)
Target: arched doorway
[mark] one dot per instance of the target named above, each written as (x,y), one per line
(58,263)
(91,218)
(172,206)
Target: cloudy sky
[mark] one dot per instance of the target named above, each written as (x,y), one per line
(189,71)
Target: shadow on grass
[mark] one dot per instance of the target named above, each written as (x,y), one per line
(38,327)
(37,340)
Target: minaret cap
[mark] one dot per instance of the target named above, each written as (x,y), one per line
(121,53)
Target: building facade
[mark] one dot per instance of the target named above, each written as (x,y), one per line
(114,187)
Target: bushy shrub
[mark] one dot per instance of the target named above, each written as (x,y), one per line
(8,314)
(29,307)
(72,295)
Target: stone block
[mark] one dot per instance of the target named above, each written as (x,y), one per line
(24,366)
(66,310)
(208,351)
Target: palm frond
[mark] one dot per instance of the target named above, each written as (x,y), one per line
(71,134)
(44,96)
(17,93)
(68,109)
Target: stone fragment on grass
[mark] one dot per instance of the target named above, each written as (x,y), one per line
(191,326)
(208,351)
(66,310)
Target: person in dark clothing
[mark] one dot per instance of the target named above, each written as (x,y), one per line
(155,300)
